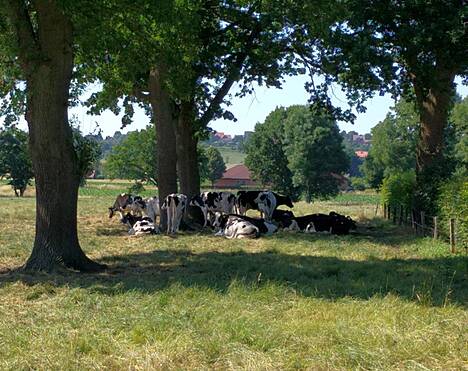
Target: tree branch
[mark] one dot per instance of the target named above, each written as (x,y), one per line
(29,49)
(237,62)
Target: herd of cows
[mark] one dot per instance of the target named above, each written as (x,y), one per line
(225,213)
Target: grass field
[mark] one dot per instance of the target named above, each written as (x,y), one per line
(231,156)
(378,299)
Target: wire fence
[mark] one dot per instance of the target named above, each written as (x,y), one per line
(422,224)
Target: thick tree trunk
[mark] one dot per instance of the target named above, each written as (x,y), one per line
(50,139)
(433,105)
(165,133)
(187,158)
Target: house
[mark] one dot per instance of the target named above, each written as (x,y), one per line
(235,177)
(361,154)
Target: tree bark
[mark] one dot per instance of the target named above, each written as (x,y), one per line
(187,158)
(433,105)
(50,140)
(163,111)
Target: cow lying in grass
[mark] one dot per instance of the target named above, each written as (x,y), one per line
(140,225)
(333,223)
(229,224)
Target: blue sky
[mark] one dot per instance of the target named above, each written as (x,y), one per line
(254,108)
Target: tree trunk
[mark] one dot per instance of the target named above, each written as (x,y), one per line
(187,158)
(433,105)
(51,145)
(162,107)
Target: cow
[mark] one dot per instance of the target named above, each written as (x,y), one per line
(264,227)
(233,226)
(139,224)
(125,203)
(175,205)
(321,223)
(152,208)
(264,201)
(211,202)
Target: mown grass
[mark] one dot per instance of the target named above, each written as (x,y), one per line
(378,299)
(231,156)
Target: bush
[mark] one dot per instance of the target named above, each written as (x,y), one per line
(453,203)
(398,188)
(359,183)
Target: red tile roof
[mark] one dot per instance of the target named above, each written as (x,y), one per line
(361,154)
(237,172)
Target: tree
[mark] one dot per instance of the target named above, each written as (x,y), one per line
(37,48)
(315,152)
(215,165)
(88,153)
(459,118)
(134,158)
(266,158)
(15,162)
(393,144)
(412,48)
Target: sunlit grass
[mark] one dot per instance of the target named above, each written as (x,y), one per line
(378,299)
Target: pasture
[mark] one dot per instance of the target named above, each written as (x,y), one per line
(378,299)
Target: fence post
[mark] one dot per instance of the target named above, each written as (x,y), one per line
(376,209)
(436,232)
(452,235)
(413,225)
(422,223)
(401,215)
(385,211)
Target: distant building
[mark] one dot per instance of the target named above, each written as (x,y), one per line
(361,154)
(236,177)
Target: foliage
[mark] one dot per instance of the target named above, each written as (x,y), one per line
(88,153)
(266,158)
(393,144)
(459,118)
(315,152)
(136,188)
(359,183)
(134,158)
(15,161)
(453,203)
(398,189)
(215,166)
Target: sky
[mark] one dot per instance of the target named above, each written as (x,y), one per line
(250,110)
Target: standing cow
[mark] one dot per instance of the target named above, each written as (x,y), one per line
(175,205)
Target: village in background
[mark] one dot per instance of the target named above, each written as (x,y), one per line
(232,147)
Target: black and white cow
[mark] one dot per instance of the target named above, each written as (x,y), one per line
(127,203)
(264,227)
(139,225)
(175,205)
(321,223)
(264,201)
(233,226)
(211,202)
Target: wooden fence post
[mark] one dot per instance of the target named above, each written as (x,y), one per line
(400,222)
(394,215)
(436,232)
(385,211)
(422,223)
(452,235)
(413,225)
(376,209)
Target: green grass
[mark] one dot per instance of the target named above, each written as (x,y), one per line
(231,156)
(379,299)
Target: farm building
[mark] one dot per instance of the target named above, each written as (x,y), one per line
(236,176)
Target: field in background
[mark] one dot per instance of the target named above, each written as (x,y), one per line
(231,156)
(378,299)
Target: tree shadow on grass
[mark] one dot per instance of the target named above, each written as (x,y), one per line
(427,281)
